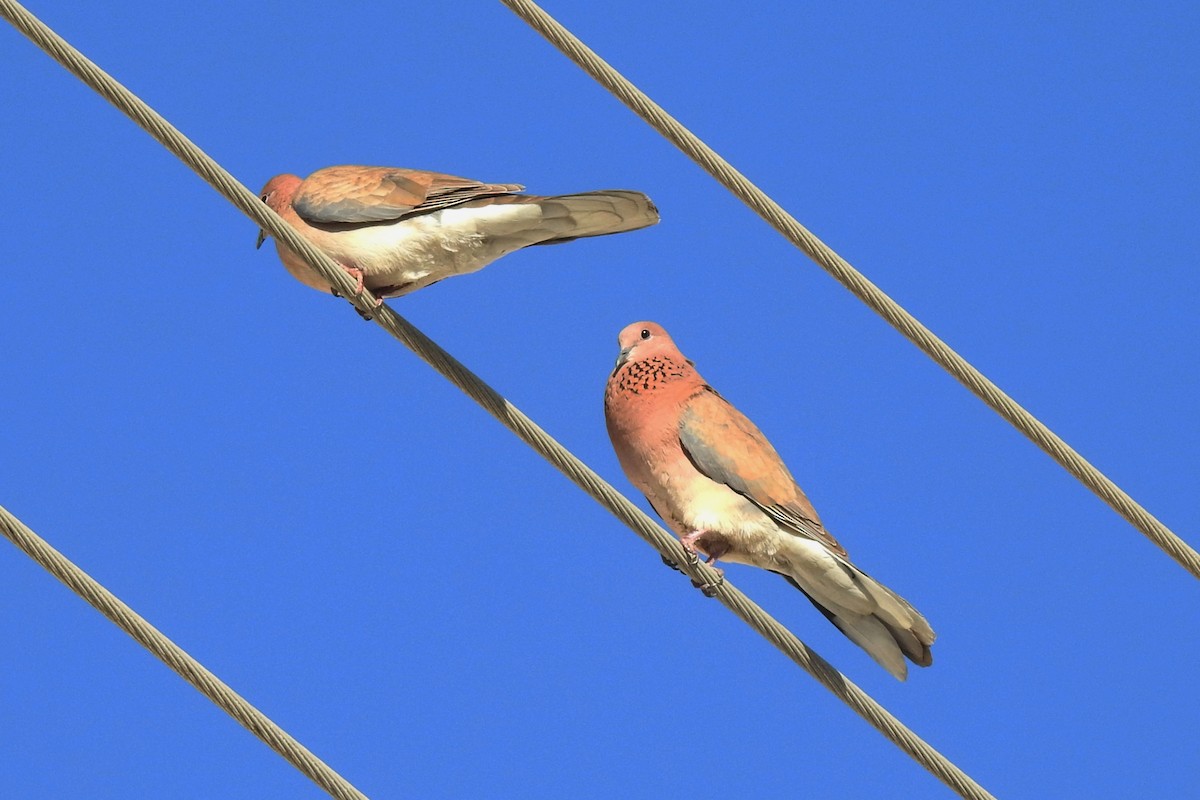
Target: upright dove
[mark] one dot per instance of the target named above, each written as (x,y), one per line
(398,230)
(721,487)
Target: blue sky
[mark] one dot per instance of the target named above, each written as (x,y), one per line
(369,558)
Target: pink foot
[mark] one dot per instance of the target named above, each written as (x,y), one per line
(712,549)
(357,274)
(691,543)
(689,540)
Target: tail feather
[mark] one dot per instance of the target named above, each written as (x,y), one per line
(915,650)
(892,632)
(894,609)
(874,636)
(575,216)
(596,214)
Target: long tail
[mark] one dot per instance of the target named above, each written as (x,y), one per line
(571,216)
(575,216)
(890,632)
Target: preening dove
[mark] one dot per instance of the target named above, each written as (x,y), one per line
(721,487)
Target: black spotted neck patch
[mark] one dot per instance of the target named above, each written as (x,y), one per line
(648,374)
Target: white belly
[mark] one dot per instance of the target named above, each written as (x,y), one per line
(429,247)
(701,504)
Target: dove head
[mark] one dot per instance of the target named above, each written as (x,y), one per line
(646,346)
(277,194)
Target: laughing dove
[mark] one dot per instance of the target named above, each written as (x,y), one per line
(398,230)
(721,487)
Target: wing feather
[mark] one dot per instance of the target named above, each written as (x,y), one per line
(353,194)
(728,448)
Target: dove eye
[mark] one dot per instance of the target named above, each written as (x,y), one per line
(645,333)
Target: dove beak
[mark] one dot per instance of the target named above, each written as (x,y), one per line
(622,357)
(262,237)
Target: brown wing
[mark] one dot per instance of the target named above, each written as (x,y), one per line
(352,194)
(728,448)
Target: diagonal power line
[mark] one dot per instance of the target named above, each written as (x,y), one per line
(176,658)
(856,282)
(494,403)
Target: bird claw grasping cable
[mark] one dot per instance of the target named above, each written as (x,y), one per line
(710,589)
(366,314)
(672,563)
(691,544)
(707,589)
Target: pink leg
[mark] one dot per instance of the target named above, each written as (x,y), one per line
(357,274)
(712,549)
(691,543)
(689,539)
